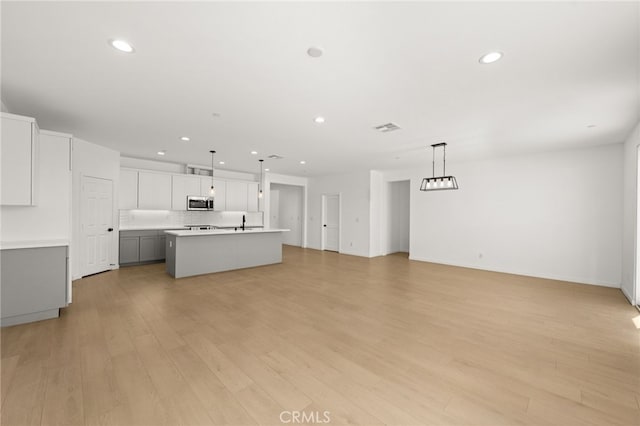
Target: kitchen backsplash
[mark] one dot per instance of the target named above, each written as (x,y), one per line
(131,218)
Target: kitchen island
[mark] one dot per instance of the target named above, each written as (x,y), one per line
(200,252)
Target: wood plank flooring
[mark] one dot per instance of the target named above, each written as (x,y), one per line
(369,341)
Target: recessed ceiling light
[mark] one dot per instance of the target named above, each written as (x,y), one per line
(162,152)
(319,120)
(221,162)
(490,57)
(266,170)
(121,45)
(185,138)
(303,162)
(254,152)
(315,51)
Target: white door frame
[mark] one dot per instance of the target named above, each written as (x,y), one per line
(82,254)
(386,224)
(324,218)
(636,275)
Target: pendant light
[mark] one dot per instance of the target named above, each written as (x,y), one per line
(436,183)
(212,190)
(260,182)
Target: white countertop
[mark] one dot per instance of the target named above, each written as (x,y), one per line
(9,245)
(188,233)
(150,228)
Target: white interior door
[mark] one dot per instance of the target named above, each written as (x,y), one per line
(331,222)
(97,224)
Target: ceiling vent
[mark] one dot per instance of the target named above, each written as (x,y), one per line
(275,157)
(389,127)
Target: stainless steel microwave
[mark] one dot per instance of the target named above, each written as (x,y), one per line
(196,202)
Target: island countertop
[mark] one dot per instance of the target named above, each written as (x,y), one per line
(201,232)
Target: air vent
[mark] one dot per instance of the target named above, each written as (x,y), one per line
(275,157)
(389,127)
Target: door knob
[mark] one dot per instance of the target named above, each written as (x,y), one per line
(324,226)
(110,229)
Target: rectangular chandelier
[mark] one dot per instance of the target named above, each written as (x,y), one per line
(437,183)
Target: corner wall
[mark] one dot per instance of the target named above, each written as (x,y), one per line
(100,162)
(630,217)
(354,215)
(265,203)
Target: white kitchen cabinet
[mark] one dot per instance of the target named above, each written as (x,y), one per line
(252,196)
(220,199)
(237,193)
(19,160)
(154,191)
(181,187)
(128,192)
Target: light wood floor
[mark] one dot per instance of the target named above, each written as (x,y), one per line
(371,341)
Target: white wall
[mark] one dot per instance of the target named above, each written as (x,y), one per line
(630,217)
(554,215)
(96,161)
(3,107)
(376,214)
(355,210)
(274,208)
(265,202)
(398,216)
(289,211)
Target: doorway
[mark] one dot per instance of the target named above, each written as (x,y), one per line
(331,222)
(96,224)
(286,211)
(398,232)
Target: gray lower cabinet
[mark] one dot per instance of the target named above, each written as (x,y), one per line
(161,246)
(129,249)
(148,250)
(142,246)
(33,283)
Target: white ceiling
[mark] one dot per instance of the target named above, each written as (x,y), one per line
(566,66)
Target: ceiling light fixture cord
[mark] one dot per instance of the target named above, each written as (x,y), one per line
(444,159)
(260,182)
(212,190)
(433,161)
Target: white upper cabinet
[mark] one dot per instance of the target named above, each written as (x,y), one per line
(154,191)
(142,189)
(237,193)
(181,187)
(19,160)
(220,199)
(252,196)
(128,194)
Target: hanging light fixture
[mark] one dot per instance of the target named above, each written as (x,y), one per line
(435,183)
(212,190)
(260,182)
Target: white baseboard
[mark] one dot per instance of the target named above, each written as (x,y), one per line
(576,280)
(628,296)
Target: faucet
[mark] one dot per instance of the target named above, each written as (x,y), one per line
(244,219)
